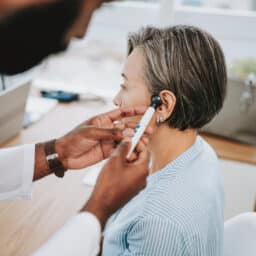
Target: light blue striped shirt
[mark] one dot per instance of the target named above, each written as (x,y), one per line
(180,212)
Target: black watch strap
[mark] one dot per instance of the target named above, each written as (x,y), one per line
(53,160)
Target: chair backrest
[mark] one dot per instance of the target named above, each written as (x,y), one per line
(240,235)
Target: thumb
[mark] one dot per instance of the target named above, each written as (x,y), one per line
(143,157)
(124,148)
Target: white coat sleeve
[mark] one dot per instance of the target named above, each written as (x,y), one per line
(16,172)
(81,236)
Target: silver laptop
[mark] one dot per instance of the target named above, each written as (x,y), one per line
(12,109)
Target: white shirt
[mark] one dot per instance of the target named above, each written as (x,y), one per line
(80,236)
(16,172)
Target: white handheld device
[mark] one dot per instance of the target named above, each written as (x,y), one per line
(142,125)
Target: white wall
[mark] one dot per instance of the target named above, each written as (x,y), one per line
(235,30)
(240,187)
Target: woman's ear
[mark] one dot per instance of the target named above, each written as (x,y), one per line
(168,103)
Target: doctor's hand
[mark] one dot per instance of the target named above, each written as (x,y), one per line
(95,139)
(89,143)
(119,181)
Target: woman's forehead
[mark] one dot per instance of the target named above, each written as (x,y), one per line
(133,67)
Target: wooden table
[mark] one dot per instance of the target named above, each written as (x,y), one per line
(25,225)
(231,150)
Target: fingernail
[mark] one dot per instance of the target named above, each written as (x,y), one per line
(128,132)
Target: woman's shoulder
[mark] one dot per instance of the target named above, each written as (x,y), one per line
(208,151)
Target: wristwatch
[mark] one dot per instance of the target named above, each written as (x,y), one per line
(52,158)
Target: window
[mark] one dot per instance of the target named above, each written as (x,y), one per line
(232,22)
(249,5)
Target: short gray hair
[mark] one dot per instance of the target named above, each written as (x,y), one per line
(190,63)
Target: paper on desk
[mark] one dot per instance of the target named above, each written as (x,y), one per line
(36,108)
(92,174)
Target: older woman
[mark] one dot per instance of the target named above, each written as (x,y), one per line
(180,212)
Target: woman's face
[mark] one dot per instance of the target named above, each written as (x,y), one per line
(134,90)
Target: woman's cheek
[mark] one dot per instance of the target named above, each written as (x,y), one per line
(139,99)
(133,98)
(128,99)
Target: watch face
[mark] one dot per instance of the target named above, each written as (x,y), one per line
(52,157)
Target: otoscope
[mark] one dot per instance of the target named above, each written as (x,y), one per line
(142,125)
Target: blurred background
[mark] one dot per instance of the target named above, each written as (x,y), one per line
(92,66)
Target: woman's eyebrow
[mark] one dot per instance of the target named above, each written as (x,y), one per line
(124,76)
